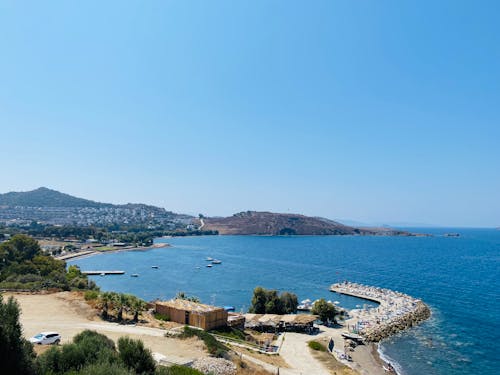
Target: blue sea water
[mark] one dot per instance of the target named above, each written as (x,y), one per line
(458,277)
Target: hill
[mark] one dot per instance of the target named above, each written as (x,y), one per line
(44,197)
(53,207)
(268,223)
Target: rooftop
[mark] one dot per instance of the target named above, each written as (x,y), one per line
(183,304)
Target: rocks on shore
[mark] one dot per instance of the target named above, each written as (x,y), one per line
(382,331)
(215,366)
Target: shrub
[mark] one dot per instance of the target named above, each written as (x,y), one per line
(135,356)
(91,295)
(314,345)
(161,316)
(176,370)
(214,347)
(16,353)
(105,368)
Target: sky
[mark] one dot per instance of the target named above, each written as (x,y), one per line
(373,111)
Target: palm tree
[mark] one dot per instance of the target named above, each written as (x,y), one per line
(120,301)
(105,300)
(137,306)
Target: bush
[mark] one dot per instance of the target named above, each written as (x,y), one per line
(135,356)
(16,354)
(176,370)
(88,347)
(161,316)
(105,369)
(230,332)
(214,347)
(91,295)
(314,345)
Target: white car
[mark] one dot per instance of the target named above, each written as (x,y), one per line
(46,338)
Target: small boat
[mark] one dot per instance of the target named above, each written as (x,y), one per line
(216,261)
(103,274)
(198,267)
(134,275)
(305,305)
(229,308)
(208,259)
(209,265)
(155,267)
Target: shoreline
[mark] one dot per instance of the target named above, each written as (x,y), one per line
(89,253)
(396,312)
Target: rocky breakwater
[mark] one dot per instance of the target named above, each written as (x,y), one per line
(396,311)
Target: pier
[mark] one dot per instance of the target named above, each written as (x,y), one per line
(396,311)
(103,272)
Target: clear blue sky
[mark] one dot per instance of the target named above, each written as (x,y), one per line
(375,111)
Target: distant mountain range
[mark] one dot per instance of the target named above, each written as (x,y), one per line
(53,207)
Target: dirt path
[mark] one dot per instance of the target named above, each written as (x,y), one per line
(59,312)
(296,353)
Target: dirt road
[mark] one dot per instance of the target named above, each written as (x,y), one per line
(61,313)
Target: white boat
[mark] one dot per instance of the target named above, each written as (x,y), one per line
(216,261)
(305,305)
(209,265)
(208,259)
(134,275)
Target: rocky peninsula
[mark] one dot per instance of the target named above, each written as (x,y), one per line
(396,311)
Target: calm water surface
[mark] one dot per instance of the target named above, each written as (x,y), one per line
(457,277)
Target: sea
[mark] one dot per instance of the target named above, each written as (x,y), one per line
(458,277)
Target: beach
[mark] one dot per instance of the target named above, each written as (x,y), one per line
(87,253)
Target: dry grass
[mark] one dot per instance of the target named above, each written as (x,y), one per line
(274,360)
(329,361)
(248,368)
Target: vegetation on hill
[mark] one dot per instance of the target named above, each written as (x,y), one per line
(270,223)
(44,197)
(270,302)
(24,266)
(114,306)
(139,235)
(214,347)
(16,353)
(90,353)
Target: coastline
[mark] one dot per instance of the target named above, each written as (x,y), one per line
(396,312)
(89,253)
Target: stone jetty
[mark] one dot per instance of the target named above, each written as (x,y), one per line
(396,311)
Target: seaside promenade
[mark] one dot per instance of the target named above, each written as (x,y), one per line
(396,311)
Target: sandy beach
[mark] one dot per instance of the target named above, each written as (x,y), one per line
(87,253)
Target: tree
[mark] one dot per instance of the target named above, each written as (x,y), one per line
(135,356)
(182,295)
(289,302)
(16,354)
(19,248)
(269,302)
(105,300)
(136,305)
(120,301)
(259,300)
(325,310)
(273,303)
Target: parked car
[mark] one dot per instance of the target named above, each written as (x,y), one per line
(46,338)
